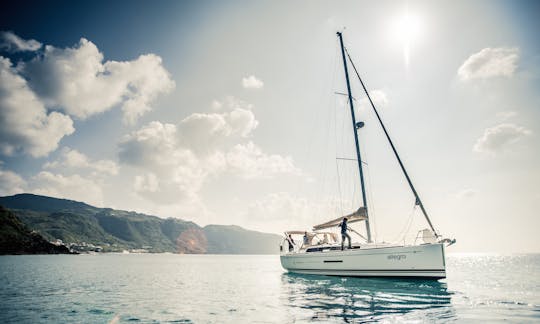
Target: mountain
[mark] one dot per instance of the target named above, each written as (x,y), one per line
(225,238)
(16,238)
(117,230)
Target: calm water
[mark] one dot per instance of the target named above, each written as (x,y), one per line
(254,289)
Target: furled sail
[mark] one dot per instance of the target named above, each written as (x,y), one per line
(359,215)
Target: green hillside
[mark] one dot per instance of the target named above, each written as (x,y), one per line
(117,230)
(16,238)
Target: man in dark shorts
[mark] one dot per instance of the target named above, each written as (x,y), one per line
(344,233)
(291,243)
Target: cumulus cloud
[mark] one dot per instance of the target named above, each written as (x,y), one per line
(154,144)
(379,98)
(282,210)
(11,183)
(466,193)
(71,158)
(250,162)
(177,170)
(73,187)
(146,183)
(13,43)
(37,97)
(500,137)
(178,159)
(205,132)
(77,81)
(490,62)
(251,82)
(504,115)
(25,124)
(216,105)
(230,103)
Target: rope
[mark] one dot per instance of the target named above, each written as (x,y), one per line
(393,148)
(403,233)
(339,189)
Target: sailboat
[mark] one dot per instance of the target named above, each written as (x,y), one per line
(425,259)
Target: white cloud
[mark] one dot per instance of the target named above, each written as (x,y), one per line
(216,105)
(146,183)
(500,137)
(71,158)
(177,172)
(153,144)
(73,80)
(379,98)
(490,62)
(13,43)
(280,211)
(250,162)
(25,124)
(73,187)
(230,103)
(466,193)
(251,82)
(77,81)
(504,115)
(182,157)
(204,132)
(11,183)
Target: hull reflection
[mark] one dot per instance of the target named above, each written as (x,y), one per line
(363,299)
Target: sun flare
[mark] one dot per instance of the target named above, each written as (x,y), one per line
(406,29)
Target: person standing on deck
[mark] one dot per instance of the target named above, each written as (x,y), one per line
(306,239)
(291,243)
(344,233)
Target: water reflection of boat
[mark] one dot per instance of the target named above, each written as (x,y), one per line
(365,299)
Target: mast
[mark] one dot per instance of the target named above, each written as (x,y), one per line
(355,127)
(418,201)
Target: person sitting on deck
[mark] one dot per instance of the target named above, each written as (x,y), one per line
(325,239)
(344,233)
(291,243)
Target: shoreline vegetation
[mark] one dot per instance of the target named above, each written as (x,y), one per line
(16,238)
(33,224)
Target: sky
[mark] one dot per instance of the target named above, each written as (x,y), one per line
(231,113)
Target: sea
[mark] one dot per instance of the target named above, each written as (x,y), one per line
(170,288)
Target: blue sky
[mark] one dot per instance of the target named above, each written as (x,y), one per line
(225,112)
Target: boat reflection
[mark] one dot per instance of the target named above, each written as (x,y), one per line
(327,298)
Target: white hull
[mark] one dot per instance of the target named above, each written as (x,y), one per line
(414,261)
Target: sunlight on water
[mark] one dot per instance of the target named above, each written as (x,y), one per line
(367,299)
(231,289)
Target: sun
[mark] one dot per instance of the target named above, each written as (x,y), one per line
(406,30)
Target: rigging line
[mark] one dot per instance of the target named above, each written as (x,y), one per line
(337,165)
(407,229)
(372,205)
(344,94)
(393,148)
(352,173)
(339,189)
(349,159)
(403,231)
(320,116)
(355,189)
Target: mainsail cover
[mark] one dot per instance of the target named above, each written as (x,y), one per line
(359,215)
